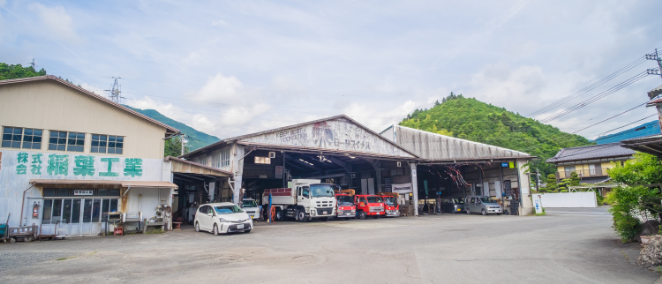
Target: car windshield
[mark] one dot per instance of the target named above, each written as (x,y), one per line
(390,200)
(248,203)
(458,201)
(375,199)
(321,190)
(344,200)
(228,209)
(486,199)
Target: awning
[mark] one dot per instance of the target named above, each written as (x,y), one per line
(187,167)
(102,183)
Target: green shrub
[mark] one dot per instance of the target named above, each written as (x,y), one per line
(564,190)
(626,225)
(600,199)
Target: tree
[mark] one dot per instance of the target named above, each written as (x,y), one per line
(173,147)
(637,200)
(551,183)
(574,177)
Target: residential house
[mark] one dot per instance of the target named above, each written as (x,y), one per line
(590,162)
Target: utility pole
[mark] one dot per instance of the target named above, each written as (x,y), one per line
(184,141)
(34,65)
(537,180)
(655,56)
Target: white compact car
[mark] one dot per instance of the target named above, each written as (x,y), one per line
(222,217)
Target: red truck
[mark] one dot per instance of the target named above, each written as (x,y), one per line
(369,205)
(391,206)
(345,204)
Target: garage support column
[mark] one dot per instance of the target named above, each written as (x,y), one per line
(525,189)
(238,170)
(414,187)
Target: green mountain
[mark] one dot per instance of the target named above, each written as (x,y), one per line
(471,119)
(196,139)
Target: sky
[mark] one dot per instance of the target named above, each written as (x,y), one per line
(229,68)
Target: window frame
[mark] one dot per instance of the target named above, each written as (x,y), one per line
(64,145)
(21,138)
(76,139)
(262,160)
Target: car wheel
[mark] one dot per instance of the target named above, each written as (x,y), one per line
(483,212)
(197,227)
(468,212)
(247,231)
(301,216)
(12,240)
(215,230)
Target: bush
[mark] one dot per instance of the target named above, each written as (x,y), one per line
(564,190)
(600,199)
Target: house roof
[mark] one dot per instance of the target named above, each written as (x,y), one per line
(591,152)
(242,137)
(91,94)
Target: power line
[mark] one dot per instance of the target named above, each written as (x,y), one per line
(596,97)
(626,124)
(591,86)
(587,127)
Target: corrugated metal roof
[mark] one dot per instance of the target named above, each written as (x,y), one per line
(644,138)
(218,171)
(646,129)
(91,94)
(275,130)
(436,147)
(591,152)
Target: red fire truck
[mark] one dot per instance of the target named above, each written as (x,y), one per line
(369,205)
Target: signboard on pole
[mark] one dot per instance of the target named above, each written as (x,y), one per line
(402,188)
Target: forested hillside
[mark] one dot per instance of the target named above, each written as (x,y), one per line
(18,71)
(197,139)
(470,119)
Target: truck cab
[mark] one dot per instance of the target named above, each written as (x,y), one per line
(304,201)
(391,206)
(345,206)
(369,205)
(249,205)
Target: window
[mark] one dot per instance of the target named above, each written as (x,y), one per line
(262,160)
(32,138)
(57,141)
(11,137)
(115,144)
(225,157)
(99,143)
(75,142)
(306,191)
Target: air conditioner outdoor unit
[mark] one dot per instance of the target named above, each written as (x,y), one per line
(272,155)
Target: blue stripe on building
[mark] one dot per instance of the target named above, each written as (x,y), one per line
(645,129)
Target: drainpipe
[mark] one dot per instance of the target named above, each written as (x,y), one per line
(23,205)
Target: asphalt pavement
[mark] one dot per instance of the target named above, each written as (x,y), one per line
(566,246)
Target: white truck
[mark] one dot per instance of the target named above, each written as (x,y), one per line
(304,200)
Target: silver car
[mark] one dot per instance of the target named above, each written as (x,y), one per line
(482,204)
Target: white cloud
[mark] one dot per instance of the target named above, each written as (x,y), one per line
(377,119)
(218,23)
(517,90)
(57,22)
(221,89)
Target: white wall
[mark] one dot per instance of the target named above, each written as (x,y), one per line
(569,199)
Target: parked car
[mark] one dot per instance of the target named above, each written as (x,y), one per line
(452,205)
(482,204)
(222,217)
(250,206)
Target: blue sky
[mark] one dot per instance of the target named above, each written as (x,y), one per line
(234,67)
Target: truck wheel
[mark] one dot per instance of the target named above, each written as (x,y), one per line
(12,240)
(280,215)
(361,215)
(301,216)
(468,212)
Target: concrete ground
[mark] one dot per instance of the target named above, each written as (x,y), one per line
(566,246)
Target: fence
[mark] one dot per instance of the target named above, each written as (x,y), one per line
(569,199)
(597,172)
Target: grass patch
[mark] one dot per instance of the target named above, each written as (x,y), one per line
(149,232)
(541,214)
(65,258)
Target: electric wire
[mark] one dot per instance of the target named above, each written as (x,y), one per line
(596,97)
(591,86)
